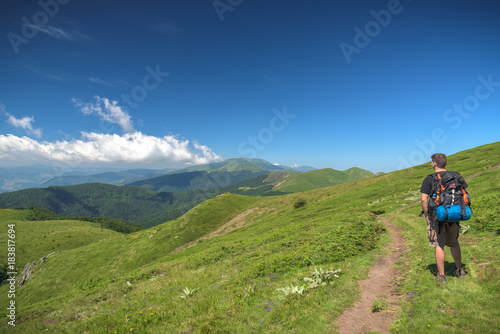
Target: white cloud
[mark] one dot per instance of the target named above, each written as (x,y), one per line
(133,147)
(106,110)
(23,123)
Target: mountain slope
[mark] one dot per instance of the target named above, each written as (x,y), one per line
(238,251)
(281,183)
(227,165)
(133,204)
(320,178)
(204,180)
(259,186)
(114,178)
(39,238)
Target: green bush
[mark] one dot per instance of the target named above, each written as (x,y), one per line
(300,203)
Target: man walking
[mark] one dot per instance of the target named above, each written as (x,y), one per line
(440,234)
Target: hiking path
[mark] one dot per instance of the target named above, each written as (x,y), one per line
(380,285)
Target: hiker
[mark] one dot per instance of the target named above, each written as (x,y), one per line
(440,234)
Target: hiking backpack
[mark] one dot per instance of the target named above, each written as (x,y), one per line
(450,201)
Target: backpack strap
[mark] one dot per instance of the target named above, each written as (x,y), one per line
(438,187)
(439,195)
(465,195)
(459,180)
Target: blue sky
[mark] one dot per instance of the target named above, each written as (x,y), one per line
(376,84)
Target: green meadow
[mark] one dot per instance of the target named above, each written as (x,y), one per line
(236,264)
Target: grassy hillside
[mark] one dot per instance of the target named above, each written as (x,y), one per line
(36,239)
(286,183)
(238,251)
(263,185)
(320,178)
(114,224)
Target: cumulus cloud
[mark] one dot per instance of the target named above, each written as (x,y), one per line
(106,110)
(22,123)
(132,147)
(92,147)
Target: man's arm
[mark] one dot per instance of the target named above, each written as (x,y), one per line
(425,206)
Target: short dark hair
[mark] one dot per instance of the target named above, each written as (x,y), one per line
(440,159)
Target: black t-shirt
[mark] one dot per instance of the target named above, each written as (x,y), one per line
(426,187)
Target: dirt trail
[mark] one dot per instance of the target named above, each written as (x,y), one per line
(379,285)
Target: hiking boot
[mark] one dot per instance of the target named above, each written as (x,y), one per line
(460,273)
(440,279)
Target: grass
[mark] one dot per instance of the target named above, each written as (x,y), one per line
(470,304)
(276,248)
(132,283)
(319,178)
(35,239)
(379,305)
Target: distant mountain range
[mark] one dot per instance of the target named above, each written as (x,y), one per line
(24,177)
(115,178)
(18,178)
(155,200)
(215,175)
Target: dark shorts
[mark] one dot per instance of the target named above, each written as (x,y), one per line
(448,236)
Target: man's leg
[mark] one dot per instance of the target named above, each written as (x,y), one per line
(439,253)
(457,256)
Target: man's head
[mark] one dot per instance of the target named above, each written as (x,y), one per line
(439,159)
